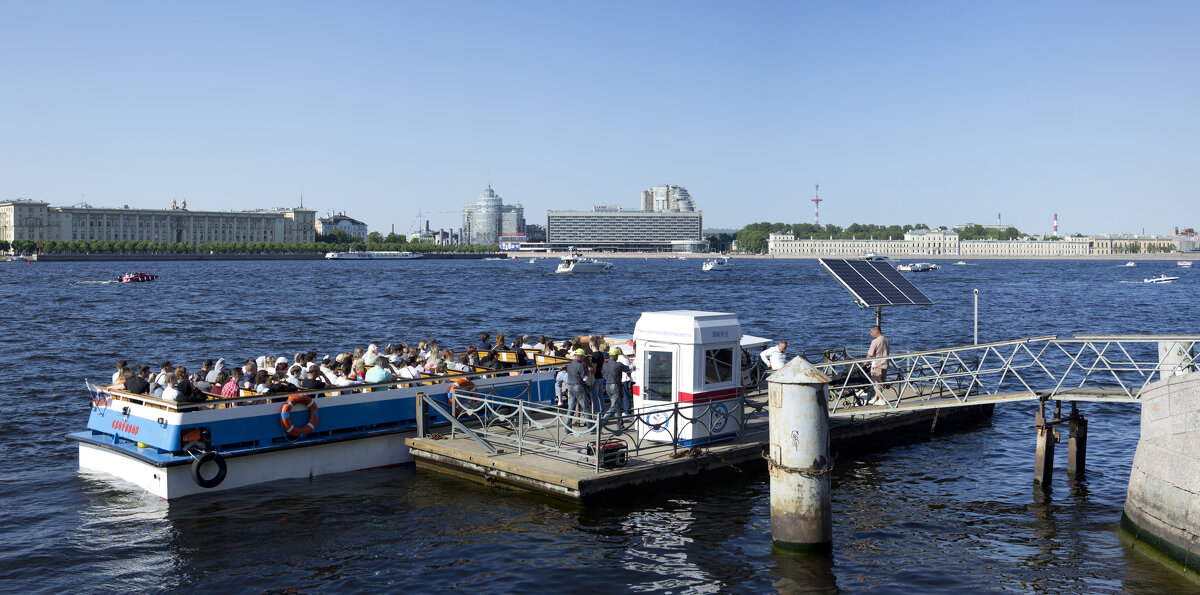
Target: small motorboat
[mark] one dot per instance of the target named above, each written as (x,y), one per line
(1130,264)
(136,278)
(961,263)
(1187,264)
(1161,279)
(576,262)
(917,267)
(874,256)
(717,264)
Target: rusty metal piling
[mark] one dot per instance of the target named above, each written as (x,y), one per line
(798,459)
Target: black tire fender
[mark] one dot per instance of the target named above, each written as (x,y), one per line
(222,469)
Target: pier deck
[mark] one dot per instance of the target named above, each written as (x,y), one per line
(657,463)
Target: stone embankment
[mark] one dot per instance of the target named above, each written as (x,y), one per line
(1162,505)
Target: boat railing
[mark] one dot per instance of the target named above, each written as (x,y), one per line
(541,363)
(548,430)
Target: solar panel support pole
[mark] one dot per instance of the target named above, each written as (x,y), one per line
(879,317)
(976,316)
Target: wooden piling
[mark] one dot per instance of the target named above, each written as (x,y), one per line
(1047,436)
(1077,445)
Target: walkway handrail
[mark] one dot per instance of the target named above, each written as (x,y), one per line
(1097,367)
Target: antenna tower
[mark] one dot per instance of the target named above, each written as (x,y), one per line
(817,206)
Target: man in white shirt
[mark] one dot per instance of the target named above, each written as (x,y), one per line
(775,357)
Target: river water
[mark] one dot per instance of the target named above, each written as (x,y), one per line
(953,513)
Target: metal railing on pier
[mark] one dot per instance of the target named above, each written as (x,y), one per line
(549,430)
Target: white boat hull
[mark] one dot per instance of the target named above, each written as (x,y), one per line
(322,459)
(581,266)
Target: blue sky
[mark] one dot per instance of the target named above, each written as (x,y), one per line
(904,112)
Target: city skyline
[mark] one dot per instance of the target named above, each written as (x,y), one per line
(937,113)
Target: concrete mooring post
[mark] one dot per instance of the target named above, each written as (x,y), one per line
(801,509)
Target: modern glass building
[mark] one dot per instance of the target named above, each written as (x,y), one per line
(487,218)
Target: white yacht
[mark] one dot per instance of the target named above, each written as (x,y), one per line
(718,264)
(574,262)
(918,267)
(874,256)
(371,255)
(1160,279)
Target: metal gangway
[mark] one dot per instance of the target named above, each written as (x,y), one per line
(1103,368)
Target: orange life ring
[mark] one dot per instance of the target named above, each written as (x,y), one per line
(286,416)
(461,383)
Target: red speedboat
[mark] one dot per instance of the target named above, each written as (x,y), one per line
(136,278)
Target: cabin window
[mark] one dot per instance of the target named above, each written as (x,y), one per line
(718,365)
(660,371)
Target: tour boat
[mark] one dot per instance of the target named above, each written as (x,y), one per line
(1161,279)
(1187,264)
(717,264)
(136,278)
(574,262)
(372,255)
(173,449)
(918,267)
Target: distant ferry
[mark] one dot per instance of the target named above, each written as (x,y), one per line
(371,255)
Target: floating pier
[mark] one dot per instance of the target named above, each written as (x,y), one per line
(656,464)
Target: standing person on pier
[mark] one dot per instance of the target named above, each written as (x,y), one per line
(880,348)
(775,357)
(577,389)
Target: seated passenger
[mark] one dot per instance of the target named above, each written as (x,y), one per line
(121,365)
(184,390)
(410,370)
(294,376)
(123,375)
(231,387)
(462,365)
(139,384)
(379,372)
(164,374)
(314,381)
(262,382)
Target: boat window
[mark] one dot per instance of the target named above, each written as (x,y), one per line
(660,371)
(718,365)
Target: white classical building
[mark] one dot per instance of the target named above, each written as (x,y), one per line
(38,221)
(926,242)
(350,225)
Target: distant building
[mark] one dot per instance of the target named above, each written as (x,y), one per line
(624,230)
(352,226)
(667,198)
(488,217)
(925,242)
(38,221)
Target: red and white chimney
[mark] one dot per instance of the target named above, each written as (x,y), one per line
(1056,224)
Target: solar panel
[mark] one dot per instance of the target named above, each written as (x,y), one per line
(874,283)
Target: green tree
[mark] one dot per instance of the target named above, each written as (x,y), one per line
(5,246)
(374,238)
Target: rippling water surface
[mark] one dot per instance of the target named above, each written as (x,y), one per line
(955,513)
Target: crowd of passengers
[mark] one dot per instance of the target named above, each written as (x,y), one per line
(270,374)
